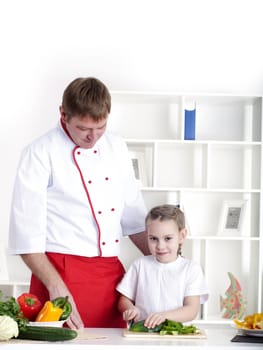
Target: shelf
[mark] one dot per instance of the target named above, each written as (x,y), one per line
(214,320)
(198,163)
(223,238)
(14,288)
(207,190)
(11,283)
(193,142)
(217,116)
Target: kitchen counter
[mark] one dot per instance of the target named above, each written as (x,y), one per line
(218,337)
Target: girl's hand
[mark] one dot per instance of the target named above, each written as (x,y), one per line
(154,319)
(131,314)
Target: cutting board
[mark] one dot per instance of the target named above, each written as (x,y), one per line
(129,334)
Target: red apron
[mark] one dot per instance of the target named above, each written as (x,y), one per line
(92,282)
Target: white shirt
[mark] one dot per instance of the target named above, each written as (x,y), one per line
(51,210)
(156,287)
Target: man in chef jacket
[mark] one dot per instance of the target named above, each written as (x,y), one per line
(75,196)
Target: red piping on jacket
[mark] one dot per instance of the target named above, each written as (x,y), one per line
(89,199)
(85,187)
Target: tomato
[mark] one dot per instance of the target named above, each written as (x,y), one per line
(30,305)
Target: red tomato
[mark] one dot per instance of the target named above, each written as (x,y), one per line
(29,305)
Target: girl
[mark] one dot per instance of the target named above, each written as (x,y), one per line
(163,285)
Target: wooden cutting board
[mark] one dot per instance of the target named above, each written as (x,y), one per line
(127,333)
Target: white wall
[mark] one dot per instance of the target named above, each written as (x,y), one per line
(170,45)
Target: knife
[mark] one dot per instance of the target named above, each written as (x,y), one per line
(130,323)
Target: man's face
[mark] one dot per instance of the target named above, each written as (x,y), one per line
(84,131)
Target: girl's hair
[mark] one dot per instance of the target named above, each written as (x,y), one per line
(86,97)
(168,212)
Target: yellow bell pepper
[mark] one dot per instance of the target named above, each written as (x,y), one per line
(258,318)
(49,313)
(254,321)
(239,324)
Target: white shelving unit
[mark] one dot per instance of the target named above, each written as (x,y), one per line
(223,164)
(14,288)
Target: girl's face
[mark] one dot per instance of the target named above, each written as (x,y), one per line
(164,239)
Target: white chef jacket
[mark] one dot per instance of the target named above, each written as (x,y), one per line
(72,200)
(156,287)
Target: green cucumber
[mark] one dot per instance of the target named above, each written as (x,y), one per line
(47,333)
(140,327)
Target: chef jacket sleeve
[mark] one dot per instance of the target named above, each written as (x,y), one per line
(28,210)
(134,213)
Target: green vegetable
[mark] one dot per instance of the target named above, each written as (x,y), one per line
(139,327)
(173,327)
(10,307)
(65,305)
(166,327)
(47,333)
(8,328)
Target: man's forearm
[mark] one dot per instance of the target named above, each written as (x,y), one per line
(140,240)
(42,268)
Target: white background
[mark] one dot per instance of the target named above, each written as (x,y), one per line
(159,45)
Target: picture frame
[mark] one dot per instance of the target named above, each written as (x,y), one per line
(3,264)
(138,163)
(232,217)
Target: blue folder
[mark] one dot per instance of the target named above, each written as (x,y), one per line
(189,124)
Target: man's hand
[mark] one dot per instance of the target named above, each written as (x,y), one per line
(74,321)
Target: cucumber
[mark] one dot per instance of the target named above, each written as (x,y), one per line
(47,333)
(140,327)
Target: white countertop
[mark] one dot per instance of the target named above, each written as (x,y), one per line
(218,337)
